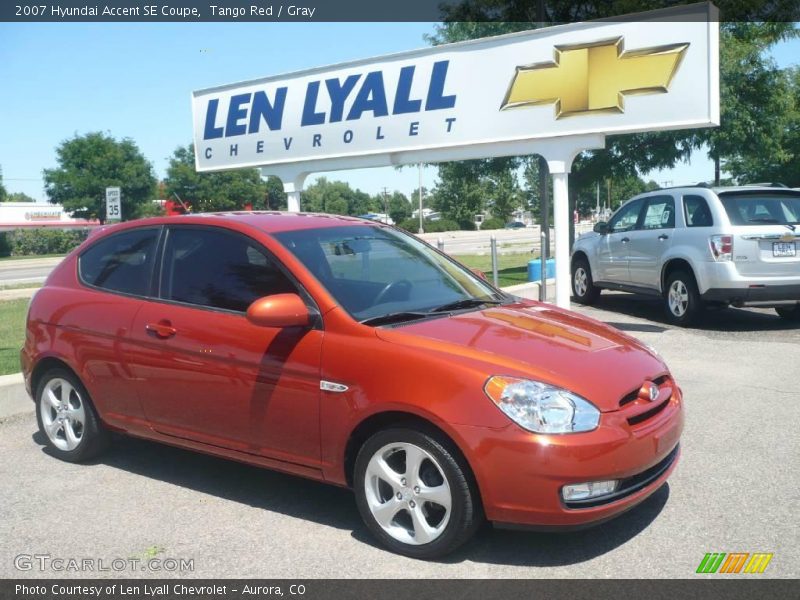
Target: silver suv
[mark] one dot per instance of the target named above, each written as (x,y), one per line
(695,246)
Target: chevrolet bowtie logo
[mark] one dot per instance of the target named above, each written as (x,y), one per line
(594,77)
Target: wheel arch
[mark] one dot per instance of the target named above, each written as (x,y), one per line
(395,418)
(675,264)
(46,364)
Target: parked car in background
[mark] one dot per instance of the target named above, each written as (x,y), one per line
(516,225)
(696,246)
(349,352)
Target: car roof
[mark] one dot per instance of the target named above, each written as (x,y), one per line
(267,221)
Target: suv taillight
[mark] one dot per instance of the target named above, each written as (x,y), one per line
(721,247)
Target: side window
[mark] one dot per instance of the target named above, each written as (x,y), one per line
(216,269)
(660,213)
(121,263)
(626,217)
(696,212)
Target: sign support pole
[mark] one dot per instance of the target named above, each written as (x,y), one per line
(561,223)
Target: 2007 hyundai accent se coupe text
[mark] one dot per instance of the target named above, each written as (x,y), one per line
(350,352)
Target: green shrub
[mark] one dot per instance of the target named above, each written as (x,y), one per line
(493,223)
(32,242)
(5,244)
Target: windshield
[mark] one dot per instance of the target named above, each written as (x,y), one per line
(762,208)
(376,271)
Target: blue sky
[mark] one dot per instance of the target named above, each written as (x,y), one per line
(135,80)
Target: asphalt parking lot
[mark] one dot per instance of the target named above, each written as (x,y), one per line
(735,490)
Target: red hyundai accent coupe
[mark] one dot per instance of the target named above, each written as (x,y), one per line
(350,352)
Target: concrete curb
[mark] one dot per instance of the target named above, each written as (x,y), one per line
(14,400)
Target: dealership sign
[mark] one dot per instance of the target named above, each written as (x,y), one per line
(601,77)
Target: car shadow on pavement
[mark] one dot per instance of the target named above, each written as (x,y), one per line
(260,488)
(335,507)
(551,549)
(713,319)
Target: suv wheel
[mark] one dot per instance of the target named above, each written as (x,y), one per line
(67,418)
(681,299)
(583,288)
(414,495)
(789,313)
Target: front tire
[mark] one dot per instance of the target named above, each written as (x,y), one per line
(414,493)
(583,288)
(67,418)
(789,313)
(682,300)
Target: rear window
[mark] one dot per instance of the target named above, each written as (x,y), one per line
(760,208)
(121,263)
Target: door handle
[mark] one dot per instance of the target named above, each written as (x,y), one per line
(163,329)
(625,240)
(663,237)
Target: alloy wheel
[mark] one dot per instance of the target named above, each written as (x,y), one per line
(407,493)
(63,414)
(678,298)
(581,282)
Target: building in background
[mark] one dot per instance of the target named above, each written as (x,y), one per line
(31,215)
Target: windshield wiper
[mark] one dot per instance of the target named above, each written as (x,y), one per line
(395,317)
(763,220)
(463,303)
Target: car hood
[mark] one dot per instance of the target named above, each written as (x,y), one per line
(542,342)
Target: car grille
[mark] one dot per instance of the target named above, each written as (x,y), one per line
(637,410)
(630,485)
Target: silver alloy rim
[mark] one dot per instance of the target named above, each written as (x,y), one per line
(407,493)
(678,298)
(63,414)
(581,282)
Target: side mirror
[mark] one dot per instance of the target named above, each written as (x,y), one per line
(279,310)
(601,227)
(479,273)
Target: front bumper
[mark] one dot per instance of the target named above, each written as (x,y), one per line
(520,474)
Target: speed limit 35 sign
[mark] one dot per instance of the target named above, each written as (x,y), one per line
(113,204)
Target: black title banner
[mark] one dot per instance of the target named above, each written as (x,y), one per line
(530,11)
(412,589)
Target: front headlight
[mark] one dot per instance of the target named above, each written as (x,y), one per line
(540,407)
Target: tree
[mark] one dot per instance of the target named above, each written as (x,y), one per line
(19,197)
(215,191)
(780,166)
(3,193)
(336,197)
(399,207)
(88,164)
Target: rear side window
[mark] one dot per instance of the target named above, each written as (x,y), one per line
(217,269)
(762,208)
(121,263)
(660,213)
(696,212)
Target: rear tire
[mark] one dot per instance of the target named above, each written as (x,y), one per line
(67,418)
(583,288)
(682,301)
(415,494)
(789,313)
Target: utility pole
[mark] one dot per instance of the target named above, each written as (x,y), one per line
(385,203)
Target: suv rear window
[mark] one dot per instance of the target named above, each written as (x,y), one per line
(762,208)
(122,262)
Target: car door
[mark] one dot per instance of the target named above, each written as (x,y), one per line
(612,251)
(204,372)
(650,241)
(116,273)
